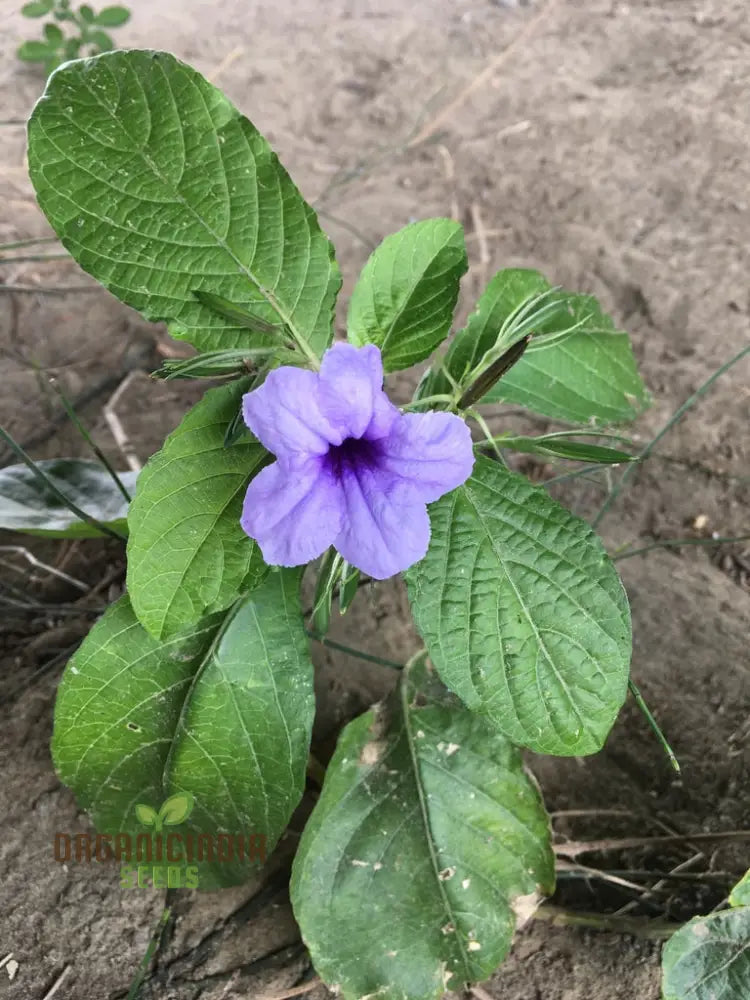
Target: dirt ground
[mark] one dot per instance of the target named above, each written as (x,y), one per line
(611,149)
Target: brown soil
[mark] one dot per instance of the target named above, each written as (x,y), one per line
(611,150)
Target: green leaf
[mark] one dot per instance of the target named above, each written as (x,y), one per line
(37,9)
(576,451)
(709,958)
(586,375)
(158,186)
(177,808)
(406,294)
(523,613)
(87,13)
(348,587)
(329,573)
(26,506)
(145,814)
(740,895)
(222,713)
(427,839)
(53,34)
(102,41)
(112,17)
(34,51)
(72,48)
(187,554)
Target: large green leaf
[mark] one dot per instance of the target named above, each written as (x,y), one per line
(26,506)
(187,554)
(587,375)
(406,294)
(223,712)
(159,187)
(709,958)
(523,613)
(427,841)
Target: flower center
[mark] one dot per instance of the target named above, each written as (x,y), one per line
(352,454)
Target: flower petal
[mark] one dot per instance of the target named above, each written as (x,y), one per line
(386,528)
(351,391)
(294,511)
(285,414)
(432,451)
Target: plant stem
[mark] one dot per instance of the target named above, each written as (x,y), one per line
(676,416)
(153,944)
(676,542)
(92,444)
(650,929)
(428,401)
(360,654)
(641,703)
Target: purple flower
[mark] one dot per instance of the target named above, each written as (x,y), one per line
(352,470)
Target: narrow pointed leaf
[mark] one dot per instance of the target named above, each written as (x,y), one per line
(406,295)
(588,375)
(158,186)
(221,713)
(38,8)
(112,17)
(25,506)
(709,958)
(428,837)
(576,451)
(523,613)
(740,895)
(187,554)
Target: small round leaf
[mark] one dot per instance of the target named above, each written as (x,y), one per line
(112,17)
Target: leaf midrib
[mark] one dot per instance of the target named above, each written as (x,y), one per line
(424,812)
(219,241)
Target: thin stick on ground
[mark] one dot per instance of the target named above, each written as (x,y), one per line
(57,983)
(573,848)
(20,550)
(521,40)
(295,991)
(115,425)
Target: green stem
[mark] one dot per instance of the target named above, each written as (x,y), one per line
(358,653)
(18,244)
(650,929)
(676,416)
(47,483)
(641,703)
(35,258)
(429,400)
(676,542)
(153,944)
(92,444)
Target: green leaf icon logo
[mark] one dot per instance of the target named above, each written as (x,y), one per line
(146,815)
(176,809)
